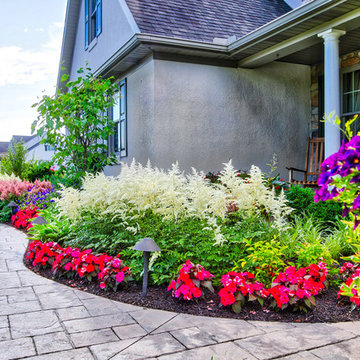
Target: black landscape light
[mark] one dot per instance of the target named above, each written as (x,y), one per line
(12,205)
(146,245)
(39,221)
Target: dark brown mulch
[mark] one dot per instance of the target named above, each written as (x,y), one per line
(328,309)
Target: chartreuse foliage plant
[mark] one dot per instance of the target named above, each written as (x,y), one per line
(76,124)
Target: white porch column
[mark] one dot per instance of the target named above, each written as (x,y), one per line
(332,87)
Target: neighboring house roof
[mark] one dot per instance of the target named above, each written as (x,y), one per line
(203,20)
(4,145)
(21,138)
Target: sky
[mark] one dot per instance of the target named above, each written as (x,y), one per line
(30,46)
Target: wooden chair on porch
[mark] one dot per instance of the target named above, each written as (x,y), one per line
(313,161)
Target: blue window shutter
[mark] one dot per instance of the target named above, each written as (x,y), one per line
(123,119)
(86,24)
(98,17)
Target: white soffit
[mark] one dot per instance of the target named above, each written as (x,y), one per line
(345,22)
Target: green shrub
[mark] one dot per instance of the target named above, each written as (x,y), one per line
(14,162)
(179,241)
(302,201)
(5,212)
(39,170)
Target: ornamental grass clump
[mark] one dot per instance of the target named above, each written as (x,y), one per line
(72,262)
(174,196)
(239,288)
(191,281)
(298,287)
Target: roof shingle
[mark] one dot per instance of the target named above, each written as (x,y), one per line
(203,20)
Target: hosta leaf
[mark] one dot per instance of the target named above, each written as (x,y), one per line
(240,297)
(236,306)
(307,302)
(312,300)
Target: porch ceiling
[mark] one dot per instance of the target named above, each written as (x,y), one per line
(296,40)
(315,54)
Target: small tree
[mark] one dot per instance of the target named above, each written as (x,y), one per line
(76,123)
(14,162)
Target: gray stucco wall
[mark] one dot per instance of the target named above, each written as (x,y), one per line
(202,116)
(116,30)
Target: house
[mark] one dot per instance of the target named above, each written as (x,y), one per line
(4,145)
(201,82)
(38,151)
(35,150)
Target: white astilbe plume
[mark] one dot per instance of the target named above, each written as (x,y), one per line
(9,177)
(172,195)
(252,196)
(206,200)
(69,203)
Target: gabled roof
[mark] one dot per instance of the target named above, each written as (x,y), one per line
(21,138)
(290,37)
(203,20)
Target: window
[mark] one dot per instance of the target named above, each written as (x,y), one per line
(119,116)
(49,147)
(351,96)
(92,20)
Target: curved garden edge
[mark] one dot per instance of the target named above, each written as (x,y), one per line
(327,308)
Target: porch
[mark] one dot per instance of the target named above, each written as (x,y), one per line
(326,36)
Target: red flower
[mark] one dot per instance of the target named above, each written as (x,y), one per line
(185,285)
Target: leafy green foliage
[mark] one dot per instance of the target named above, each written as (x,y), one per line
(251,244)
(264,259)
(82,111)
(39,170)
(5,212)
(14,162)
(57,229)
(302,200)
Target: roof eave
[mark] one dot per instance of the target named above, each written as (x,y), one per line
(68,41)
(297,15)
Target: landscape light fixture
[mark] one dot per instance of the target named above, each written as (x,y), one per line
(39,221)
(12,205)
(146,245)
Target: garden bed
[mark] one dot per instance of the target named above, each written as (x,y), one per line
(327,309)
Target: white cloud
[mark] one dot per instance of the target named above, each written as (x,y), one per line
(21,66)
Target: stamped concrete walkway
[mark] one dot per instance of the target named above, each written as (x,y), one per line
(43,320)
